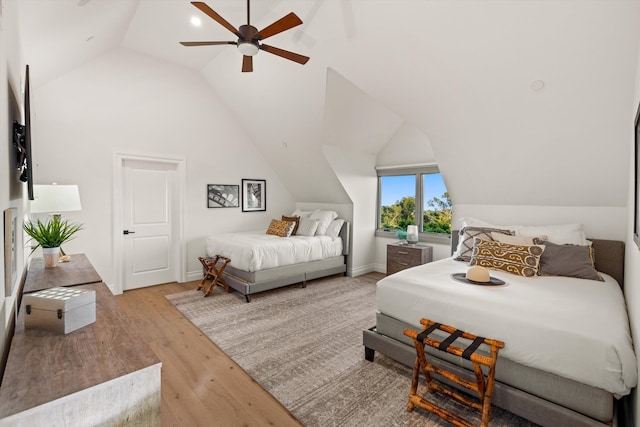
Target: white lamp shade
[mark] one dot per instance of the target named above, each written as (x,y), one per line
(55,198)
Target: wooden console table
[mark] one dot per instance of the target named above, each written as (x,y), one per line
(103,373)
(78,271)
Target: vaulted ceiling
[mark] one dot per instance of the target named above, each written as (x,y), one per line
(530,98)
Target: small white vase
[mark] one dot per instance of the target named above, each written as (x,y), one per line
(50,256)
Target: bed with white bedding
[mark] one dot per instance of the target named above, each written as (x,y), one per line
(568,352)
(254,250)
(261,261)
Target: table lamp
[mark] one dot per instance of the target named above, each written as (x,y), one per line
(54,198)
(412,234)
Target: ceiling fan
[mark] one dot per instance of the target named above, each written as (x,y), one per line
(249,37)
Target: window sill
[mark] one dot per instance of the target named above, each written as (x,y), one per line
(441,239)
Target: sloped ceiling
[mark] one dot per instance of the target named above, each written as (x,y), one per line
(523,102)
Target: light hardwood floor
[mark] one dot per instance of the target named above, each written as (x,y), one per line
(201,386)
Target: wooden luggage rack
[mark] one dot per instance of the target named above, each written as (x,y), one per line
(483,386)
(213,272)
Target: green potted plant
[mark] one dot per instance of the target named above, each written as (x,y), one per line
(50,235)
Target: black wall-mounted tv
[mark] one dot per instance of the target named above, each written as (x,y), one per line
(636,218)
(22,140)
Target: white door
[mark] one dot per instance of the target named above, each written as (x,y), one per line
(149,200)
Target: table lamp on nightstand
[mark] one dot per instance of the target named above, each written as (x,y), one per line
(412,234)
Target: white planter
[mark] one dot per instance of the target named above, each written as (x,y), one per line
(50,256)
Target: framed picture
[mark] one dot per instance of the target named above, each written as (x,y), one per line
(223,196)
(10,236)
(254,195)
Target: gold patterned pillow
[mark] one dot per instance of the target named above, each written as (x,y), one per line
(295,220)
(523,260)
(280,228)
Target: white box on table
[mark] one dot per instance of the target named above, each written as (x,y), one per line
(60,310)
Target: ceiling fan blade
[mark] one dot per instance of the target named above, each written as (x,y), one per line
(247,64)
(282,24)
(300,59)
(205,43)
(214,15)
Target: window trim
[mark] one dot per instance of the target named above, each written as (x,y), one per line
(418,171)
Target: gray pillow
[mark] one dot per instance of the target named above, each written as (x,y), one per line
(465,245)
(568,260)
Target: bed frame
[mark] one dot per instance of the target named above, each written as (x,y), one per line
(539,396)
(249,283)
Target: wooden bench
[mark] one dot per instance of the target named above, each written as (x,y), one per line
(483,386)
(213,269)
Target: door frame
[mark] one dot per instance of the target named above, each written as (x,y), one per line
(119,160)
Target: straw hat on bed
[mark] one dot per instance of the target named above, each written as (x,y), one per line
(477,275)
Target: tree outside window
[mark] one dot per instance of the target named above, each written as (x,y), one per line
(403,197)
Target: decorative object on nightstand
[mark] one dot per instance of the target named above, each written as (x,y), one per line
(400,257)
(412,234)
(402,236)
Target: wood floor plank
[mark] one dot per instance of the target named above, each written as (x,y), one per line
(200,384)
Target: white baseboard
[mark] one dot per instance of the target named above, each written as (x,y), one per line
(381,268)
(194,275)
(358,271)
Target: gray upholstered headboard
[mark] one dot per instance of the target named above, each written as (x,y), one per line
(345,233)
(609,255)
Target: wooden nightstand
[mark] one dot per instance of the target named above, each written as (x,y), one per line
(400,257)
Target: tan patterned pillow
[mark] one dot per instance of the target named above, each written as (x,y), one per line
(523,260)
(280,228)
(295,220)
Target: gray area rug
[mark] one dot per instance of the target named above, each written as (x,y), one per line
(304,346)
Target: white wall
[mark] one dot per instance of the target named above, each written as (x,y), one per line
(632,258)
(12,192)
(355,171)
(409,146)
(128,102)
(598,222)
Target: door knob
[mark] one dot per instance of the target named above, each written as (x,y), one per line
(128,232)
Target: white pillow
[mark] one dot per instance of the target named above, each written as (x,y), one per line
(565,234)
(515,240)
(475,222)
(334,228)
(301,213)
(307,227)
(324,219)
(572,234)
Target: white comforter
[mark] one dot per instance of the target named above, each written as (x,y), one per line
(575,328)
(255,250)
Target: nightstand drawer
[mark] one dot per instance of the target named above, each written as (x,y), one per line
(400,257)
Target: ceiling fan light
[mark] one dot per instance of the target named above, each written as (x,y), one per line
(248,48)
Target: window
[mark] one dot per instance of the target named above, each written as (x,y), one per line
(407,194)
